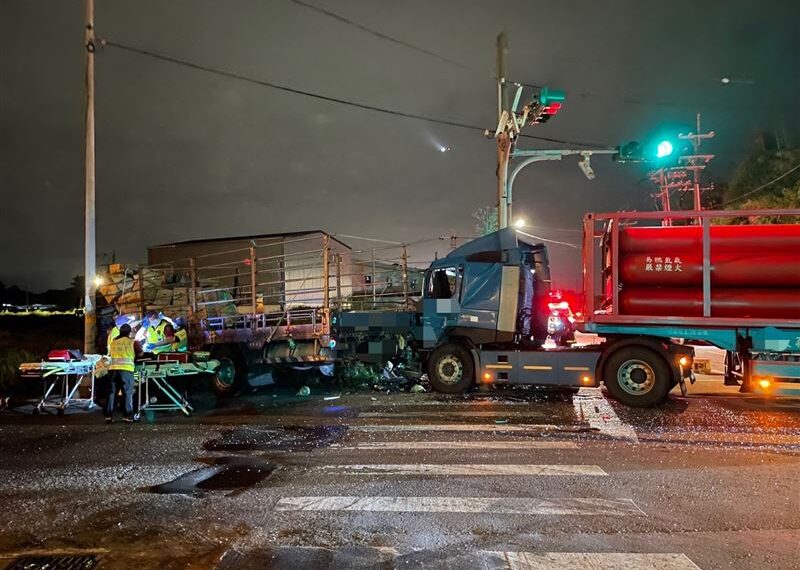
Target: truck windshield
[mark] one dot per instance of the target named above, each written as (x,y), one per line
(444,283)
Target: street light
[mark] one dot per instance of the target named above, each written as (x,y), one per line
(520,223)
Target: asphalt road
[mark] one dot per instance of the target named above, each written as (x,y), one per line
(516,479)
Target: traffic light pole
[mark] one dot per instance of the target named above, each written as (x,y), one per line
(531,156)
(503,139)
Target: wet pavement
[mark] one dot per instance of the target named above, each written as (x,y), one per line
(522,479)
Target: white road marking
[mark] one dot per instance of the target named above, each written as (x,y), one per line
(500,505)
(455,427)
(587,561)
(452,414)
(592,406)
(466,469)
(489,444)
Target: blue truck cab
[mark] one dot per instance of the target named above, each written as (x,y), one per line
(482,319)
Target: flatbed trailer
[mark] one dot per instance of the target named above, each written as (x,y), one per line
(487,325)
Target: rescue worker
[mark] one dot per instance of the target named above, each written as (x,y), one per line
(159,335)
(181,343)
(114,332)
(123,354)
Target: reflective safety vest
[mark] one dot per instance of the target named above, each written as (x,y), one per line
(122,354)
(154,335)
(181,343)
(112,334)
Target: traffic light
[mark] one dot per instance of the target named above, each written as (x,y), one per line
(546,104)
(630,151)
(657,150)
(664,149)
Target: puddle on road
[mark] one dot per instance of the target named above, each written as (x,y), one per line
(233,474)
(295,438)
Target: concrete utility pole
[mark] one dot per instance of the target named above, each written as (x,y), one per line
(90,287)
(696,161)
(677,177)
(503,139)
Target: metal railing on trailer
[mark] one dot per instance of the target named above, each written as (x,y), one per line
(276,289)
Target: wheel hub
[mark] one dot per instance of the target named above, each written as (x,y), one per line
(636,377)
(226,374)
(450,369)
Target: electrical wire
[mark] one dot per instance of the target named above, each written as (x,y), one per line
(771,182)
(572,245)
(378,34)
(295,91)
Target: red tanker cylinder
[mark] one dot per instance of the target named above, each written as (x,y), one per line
(731,303)
(728,269)
(676,239)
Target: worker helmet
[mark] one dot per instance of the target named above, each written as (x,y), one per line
(154,317)
(124,320)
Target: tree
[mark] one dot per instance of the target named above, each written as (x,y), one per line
(77,290)
(485,220)
(761,182)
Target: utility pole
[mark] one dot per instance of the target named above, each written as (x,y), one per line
(678,177)
(696,161)
(502,137)
(667,180)
(89,312)
(543,104)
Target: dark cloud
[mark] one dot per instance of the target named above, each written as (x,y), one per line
(185,154)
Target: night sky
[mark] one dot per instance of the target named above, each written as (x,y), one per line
(185,154)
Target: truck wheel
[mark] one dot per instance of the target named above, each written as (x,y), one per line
(450,369)
(637,376)
(231,374)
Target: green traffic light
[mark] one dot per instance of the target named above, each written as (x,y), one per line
(664,149)
(547,96)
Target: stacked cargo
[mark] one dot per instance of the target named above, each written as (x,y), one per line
(136,290)
(754,271)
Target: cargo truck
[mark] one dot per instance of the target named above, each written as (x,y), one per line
(652,283)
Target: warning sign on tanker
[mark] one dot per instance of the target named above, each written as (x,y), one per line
(658,264)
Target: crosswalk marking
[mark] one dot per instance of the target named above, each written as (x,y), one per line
(592,406)
(586,561)
(489,444)
(453,414)
(455,427)
(501,505)
(466,469)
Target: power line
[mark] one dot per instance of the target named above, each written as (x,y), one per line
(295,91)
(378,34)
(748,194)
(572,245)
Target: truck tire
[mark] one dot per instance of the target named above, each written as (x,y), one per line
(637,376)
(232,373)
(450,369)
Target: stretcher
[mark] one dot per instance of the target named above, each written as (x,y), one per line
(154,376)
(63,378)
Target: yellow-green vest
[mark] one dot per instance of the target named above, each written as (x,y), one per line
(122,353)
